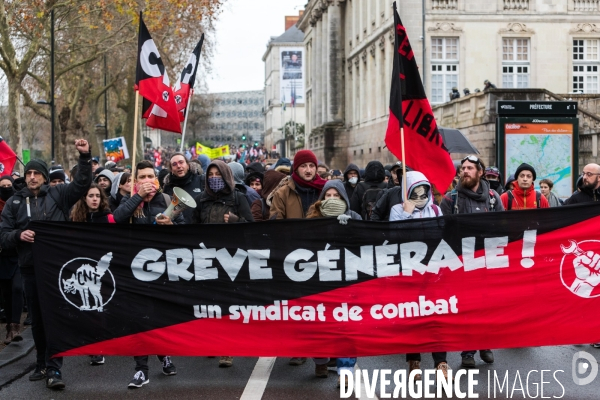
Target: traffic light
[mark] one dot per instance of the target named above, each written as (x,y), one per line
(256,144)
(243,137)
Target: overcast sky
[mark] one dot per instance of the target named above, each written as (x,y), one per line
(243,30)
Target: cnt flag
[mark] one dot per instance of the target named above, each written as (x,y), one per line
(184,86)
(152,81)
(7,158)
(410,110)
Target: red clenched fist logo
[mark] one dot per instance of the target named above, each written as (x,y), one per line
(584,275)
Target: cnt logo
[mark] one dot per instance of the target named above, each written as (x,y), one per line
(85,283)
(580,268)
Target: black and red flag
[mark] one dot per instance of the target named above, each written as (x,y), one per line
(184,87)
(410,110)
(321,289)
(153,84)
(7,158)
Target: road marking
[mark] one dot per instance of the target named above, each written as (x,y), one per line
(258,380)
(363,393)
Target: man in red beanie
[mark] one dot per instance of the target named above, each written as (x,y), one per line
(296,193)
(291,199)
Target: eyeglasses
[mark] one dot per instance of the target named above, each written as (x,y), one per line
(472,159)
(588,174)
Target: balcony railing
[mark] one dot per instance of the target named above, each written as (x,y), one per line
(444,4)
(516,5)
(586,5)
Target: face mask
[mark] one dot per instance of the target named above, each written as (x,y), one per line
(494,184)
(216,184)
(6,192)
(353,180)
(333,207)
(420,196)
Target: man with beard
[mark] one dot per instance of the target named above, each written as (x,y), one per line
(590,189)
(181,176)
(472,195)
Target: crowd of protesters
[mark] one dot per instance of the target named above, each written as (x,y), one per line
(240,192)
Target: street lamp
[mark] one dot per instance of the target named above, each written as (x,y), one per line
(51,102)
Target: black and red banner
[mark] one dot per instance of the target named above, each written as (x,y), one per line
(321,289)
(410,110)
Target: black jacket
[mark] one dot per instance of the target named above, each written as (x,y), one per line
(193,185)
(157,205)
(51,204)
(349,188)
(384,205)
(211,209)
(374,176)
(469,202)
(584,196)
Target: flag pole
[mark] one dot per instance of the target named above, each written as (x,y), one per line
(187,109)
(403,160)
(135,131)
(20,161)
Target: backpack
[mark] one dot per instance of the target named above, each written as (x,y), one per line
(454,197)
(538,197)
(369,200)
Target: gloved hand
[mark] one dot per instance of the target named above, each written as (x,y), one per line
(343,218)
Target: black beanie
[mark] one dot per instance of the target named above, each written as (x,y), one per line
(525,167)
(57,174)
(38,165)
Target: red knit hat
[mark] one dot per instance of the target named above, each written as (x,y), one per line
(304,156)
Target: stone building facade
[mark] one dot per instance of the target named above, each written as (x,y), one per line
(521,44)
(275,97)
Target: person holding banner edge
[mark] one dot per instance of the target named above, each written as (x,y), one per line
(146,207)
(40,202)
(472,195)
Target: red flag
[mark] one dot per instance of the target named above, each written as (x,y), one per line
(185,83)
(152,81)
(409,108)
(7,158)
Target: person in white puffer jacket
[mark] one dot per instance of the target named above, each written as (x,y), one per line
(420,200)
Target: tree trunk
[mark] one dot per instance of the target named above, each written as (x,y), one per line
(14,121)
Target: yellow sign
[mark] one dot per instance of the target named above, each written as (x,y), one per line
(212,153)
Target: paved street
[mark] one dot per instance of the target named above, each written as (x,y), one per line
(200,378)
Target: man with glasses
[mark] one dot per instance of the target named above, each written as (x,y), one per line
(590,188)
(472,195)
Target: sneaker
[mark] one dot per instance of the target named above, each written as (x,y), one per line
(225,362)
(169,367)
(443,366)
(96,360)
(487,356)
(345,381)
(139,380)
(321,370)
(412,365)
(54,380)
(38,374)
(468,362)
(295,361)
(596,345)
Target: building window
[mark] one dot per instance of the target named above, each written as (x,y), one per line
(585,65)
(515,63)
(444,68)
